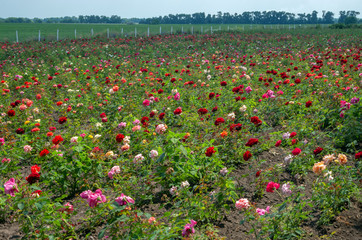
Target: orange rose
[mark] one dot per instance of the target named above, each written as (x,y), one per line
(319,167)
(342,158)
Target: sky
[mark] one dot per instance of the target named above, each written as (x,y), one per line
(155,8)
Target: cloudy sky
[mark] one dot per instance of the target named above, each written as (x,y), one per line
(152,8)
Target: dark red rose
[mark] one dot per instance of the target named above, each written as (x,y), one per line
(210,151)
(20,131)
(257,122)
(294,141)
(223,83)
(308,104)
(318,150)
(17,102)
(251,142)
(277,144)
(247,155)
(144,119)
(202,111)
(214,109)
(296,151)
(57,139)
(218,121)
(235,127)
(258,173)
(62,120)
(152,114)
(358,155)
(211,95)
(161,116)
(160,91)
(44,153)
(177,111)
(33,178)
(11,113)
(119,137)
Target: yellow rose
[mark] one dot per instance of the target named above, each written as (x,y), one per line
(90,136)
(26,122)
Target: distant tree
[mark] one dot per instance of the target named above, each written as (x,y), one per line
(328,18)
(314,17)
(37,20)
(342,16)
(350,20)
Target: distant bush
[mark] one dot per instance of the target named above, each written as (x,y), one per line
(345,26)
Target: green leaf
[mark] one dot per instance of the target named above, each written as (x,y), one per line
(160,159)
(183,150)
(101,233)
(174,140)
(21,206)
(282,207)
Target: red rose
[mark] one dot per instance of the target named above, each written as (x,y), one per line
(256,121)
(52,129)
(103,115)
(247,155)
(358,155)
(277,144)
(20,131)
(317,150)
(33,177)
(202,111)
(296,151)
(218,121)
(152,114)
(177,111)
(119,137)
(160,91)
(62,120)
(57,139)
(11,113)
(293,134)
(35,169)
(251,142)
(223,83)
(258,173)
(235,127)
(214,109)
(294,141)
(210,151)
(144,119)
(161,116)
(44,153)
(308,104)
(211,95)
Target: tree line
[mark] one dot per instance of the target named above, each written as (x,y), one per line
(254,17)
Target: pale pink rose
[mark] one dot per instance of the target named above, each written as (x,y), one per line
(242,203)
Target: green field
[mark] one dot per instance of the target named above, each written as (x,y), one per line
(28,32)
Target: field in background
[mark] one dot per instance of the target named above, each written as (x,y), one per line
(27,32)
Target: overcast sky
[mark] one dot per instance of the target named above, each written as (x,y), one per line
(155,8)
